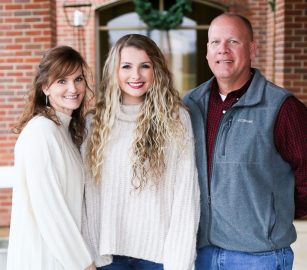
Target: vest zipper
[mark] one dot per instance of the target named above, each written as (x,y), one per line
(210,218)
(225,131)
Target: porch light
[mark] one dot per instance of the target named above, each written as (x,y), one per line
(77,14)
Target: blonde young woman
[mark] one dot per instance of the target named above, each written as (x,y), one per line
(45,232)
(142,194)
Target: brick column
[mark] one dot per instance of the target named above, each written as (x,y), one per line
(291,52)
(27,28)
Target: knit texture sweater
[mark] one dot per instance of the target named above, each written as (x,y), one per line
(158,224)
(45,231)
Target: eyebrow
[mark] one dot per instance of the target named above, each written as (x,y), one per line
(66,76)
(147,62)
(231,37)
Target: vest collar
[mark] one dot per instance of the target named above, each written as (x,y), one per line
(252,96)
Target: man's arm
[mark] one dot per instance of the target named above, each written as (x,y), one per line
(290,136)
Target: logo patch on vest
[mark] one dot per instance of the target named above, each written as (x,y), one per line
(241,120)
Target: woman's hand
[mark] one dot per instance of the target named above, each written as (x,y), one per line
(91,267)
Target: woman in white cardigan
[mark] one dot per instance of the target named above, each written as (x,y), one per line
(45,232)
(142,194)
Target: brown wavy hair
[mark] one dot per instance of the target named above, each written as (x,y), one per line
(56,63)
(158,121)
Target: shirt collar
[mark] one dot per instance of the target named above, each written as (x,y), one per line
(236,94)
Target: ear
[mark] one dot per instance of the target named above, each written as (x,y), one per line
(253,50)
(45,90)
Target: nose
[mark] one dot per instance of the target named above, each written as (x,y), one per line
(72,87)
(223,48)
(135,74)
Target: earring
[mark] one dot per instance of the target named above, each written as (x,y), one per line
(47,100)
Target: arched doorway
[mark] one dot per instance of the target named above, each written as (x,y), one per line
(185,47)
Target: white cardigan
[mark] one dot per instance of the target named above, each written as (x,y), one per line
(47,200)
(156,224)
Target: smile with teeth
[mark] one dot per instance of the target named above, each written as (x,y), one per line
(136,84)
(224,61)
(71,97)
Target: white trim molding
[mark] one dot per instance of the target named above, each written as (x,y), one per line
(299,246)
(6,176)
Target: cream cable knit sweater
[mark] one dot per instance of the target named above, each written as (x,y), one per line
(156,224)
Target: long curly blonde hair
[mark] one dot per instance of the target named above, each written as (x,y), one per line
(158,121)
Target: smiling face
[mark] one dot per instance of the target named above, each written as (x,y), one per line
(66,94)
(135,75)
(230,50)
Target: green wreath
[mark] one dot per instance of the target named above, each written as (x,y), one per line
(163,20)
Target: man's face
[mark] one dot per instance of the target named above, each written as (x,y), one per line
(230,50)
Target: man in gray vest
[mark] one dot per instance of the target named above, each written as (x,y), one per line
(251,154)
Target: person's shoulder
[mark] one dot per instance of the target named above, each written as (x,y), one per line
(276,93)
(40,122)
(293,105)
(197,91)
(40,126)
(274,87)
(39,132)
(269,85)
(184,113)
(185,118)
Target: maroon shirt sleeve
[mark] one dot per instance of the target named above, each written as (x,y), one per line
(290,136)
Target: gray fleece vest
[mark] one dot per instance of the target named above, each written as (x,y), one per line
(249,205)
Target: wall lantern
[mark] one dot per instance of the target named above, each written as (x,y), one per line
(77,14)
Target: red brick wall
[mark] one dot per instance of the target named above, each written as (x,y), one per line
(27,28)
(5,206)
(270,44)
(291,50)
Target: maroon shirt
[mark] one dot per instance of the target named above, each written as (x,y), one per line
(290,136)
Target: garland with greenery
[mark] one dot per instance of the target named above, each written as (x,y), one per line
(163,20)
(272,4)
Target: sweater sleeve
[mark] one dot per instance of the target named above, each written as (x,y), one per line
(180,245)
(41,149)
(91,222)
(91,218)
